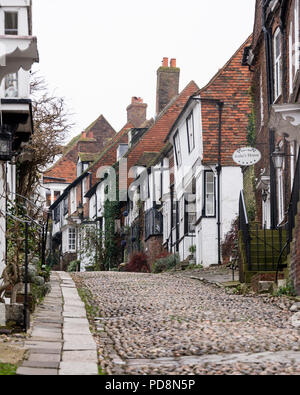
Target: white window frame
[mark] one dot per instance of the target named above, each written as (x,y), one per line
(190,132)
(296,38)
(277,65)
(262,115)
(208,195)
(73,201)
(72,239)
(177,148)
(291,65)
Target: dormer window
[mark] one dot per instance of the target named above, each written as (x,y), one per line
(11,86)
(11,23)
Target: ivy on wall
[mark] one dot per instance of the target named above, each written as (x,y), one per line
(112,249)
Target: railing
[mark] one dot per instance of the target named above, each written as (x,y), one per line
(292,212)
(263,247)
(245,228)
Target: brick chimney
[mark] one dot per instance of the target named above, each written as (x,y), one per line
(167,83)
(137,112)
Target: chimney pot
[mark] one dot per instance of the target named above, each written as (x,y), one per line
(165,62)
(167,84)
(173,63)
(136,100)
(137,111)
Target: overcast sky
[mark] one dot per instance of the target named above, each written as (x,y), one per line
(99,53)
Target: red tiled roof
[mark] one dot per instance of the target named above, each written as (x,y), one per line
(108,156)
(92,140)
(230,85)
(153,140)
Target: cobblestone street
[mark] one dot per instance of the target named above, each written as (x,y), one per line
(164,324)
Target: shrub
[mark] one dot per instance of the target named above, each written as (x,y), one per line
(138,264)
(167,263)
(72,267)
(231,242)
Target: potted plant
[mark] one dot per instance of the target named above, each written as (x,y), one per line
(192,250)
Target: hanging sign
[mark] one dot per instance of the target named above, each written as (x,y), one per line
(247,156)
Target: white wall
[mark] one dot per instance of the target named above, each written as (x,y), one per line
(231,186)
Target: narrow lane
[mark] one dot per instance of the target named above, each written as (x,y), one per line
(161,324)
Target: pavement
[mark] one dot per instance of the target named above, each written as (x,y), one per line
(60,341)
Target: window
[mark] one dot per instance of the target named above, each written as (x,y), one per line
(190,132)
(72,239)
(48,199)
(277,64)
(177,149)
(73,201)
(261,100)
(190,209)
(66,205)
(291,76)
(296,24)
(11,85)
(56,195)
(153,223)
(11,23)
(56,214)
(209,194)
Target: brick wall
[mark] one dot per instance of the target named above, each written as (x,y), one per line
(295,256)
(167,84)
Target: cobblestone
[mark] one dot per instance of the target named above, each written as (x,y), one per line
(147,317)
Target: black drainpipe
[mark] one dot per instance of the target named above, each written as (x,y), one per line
(219,171)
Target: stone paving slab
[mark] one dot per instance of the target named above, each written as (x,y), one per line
(24,371)
(44,358)
(81,330)
(78,368)
(45,351)
(83,356)
(44,365)
(43,344)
